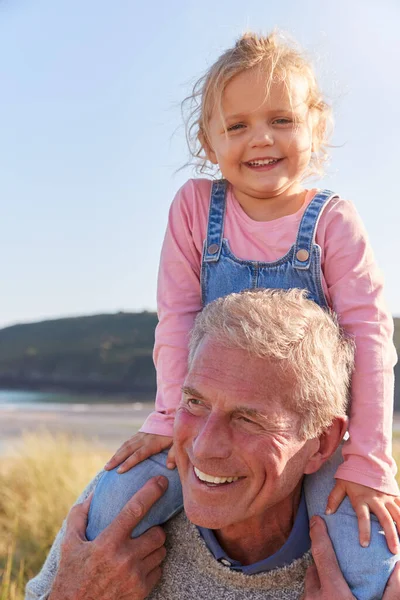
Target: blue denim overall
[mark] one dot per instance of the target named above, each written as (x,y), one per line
(365,569)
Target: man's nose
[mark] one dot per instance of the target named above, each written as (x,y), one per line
(213,439)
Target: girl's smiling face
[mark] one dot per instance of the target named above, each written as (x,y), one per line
(262,143)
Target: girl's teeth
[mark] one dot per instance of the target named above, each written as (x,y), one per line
(261,163)
(211,479)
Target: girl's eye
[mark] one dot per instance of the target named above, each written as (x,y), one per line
(283,121)
(235,127)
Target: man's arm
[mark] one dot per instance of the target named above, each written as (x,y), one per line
(113,566)
(39,587)
(324,580)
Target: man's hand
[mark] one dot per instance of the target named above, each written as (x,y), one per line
(113,566)
(324,580)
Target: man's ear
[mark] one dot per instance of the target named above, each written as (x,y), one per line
(210,154)
(328,442)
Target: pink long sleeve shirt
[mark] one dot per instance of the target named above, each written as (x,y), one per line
(353,287)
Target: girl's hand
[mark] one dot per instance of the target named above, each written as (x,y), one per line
(365,500)
(171,462)
(138,448)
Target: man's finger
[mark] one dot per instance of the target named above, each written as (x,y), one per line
(153,578)
(148,542)
(329,572)
(311,582)
(392,591)
(154,559)
(134,510)
(77,520)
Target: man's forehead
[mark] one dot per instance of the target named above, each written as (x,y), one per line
(211,350)
(216,357)
(214,362)
(219,370)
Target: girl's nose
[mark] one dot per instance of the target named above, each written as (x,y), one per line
(213,439)
(262,137)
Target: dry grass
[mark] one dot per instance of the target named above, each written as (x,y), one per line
(38,484)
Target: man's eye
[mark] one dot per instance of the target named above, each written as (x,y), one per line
(247,420)
(235,127)
(194,402)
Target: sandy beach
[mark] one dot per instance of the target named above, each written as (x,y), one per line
(106,424)
(110,425)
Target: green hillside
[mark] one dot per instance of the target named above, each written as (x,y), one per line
(97,353)
(110,353)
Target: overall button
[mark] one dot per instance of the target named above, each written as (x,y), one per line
(302,255)
(213,249)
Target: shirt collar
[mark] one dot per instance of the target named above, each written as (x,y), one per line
(297,544)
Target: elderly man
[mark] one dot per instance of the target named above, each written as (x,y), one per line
(264,403)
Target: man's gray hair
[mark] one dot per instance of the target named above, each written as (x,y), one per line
(305,342)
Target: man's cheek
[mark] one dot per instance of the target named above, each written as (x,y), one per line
(183,423)
(183,428)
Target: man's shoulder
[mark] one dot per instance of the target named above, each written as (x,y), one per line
(91,486)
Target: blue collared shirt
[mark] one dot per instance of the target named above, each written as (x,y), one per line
(297,544)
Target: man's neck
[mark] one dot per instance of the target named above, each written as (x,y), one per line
(256,539)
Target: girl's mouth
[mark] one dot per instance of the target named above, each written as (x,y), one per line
(262,164)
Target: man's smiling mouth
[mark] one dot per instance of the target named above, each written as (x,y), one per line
(213,479)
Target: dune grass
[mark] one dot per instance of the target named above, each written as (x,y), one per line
(38,484)
(39,481)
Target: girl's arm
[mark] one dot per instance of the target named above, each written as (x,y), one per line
(355,287)
(179,301)
(367,475)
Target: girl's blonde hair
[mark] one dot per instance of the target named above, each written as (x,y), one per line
(281,58)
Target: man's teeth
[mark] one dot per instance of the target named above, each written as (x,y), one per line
(261,163)
(212,479)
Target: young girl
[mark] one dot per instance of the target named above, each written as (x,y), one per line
(260,120)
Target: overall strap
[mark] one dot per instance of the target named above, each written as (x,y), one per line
(308,227)
(216,217)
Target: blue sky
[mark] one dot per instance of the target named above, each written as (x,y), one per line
(91,136)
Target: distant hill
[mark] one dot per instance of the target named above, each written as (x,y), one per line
(109,353)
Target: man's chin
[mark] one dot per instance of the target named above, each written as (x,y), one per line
(206,516)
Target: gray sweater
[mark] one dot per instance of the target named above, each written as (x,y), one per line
(190,571)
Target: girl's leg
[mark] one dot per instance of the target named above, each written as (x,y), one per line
(114,490)
(366,570)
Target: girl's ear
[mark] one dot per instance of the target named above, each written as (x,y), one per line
(210,154)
